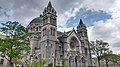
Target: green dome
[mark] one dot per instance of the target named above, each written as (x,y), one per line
(36,20)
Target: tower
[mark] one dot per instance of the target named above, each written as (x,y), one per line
(48,34)
(81,30)
(82,33)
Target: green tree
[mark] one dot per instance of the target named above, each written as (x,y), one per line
(115,58)
(107,56)
(28,65)
(97,48)
(39,62)
(63,62)
(15,43)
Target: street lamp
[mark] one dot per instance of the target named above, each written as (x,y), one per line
(53,59)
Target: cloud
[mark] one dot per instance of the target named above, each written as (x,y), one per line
(98,4)
(3,14)
(108,30)
(72,8)
(63,18)
(25,10)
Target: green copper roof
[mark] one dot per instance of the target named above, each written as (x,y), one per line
(65,34)
(81,23)
(37,20)
(49,4)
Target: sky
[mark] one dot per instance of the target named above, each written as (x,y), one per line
(102,17)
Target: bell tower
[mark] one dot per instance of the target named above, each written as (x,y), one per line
(49,15)
(82,33)
(49,34)
(81,30)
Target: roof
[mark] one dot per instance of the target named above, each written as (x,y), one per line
(59,33)
(81,23)
(36,20)
(49,4)
(65,35)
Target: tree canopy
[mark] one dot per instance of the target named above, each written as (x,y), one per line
(98,48)
(15,43)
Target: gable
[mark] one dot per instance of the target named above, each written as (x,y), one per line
(73,34)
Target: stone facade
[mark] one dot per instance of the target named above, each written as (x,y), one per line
(53,45)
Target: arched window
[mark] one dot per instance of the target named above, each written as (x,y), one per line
(51,20)
(86,51)
(53,32)
(52,11)
(54,21)
(81,33)
(51,45)
(39,28)
(36,28)
(31,29)
(44,32)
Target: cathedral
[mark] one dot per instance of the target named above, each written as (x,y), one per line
(54,45)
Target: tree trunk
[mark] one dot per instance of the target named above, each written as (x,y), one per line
(98,61)
(10,62)
(106,63)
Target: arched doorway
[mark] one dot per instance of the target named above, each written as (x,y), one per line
(76,60)
(70,61)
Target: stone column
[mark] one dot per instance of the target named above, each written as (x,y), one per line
(74,61)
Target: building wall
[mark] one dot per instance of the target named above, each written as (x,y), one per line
(53,49)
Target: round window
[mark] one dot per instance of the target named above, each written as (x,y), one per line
(72,45)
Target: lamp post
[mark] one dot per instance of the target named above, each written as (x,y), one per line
(53,59)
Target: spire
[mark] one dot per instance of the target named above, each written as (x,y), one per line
(49,4)
(73,29)
(81,22)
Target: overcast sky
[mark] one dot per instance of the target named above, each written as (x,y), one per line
(102,17)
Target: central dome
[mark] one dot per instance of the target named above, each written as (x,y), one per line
(36,20)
